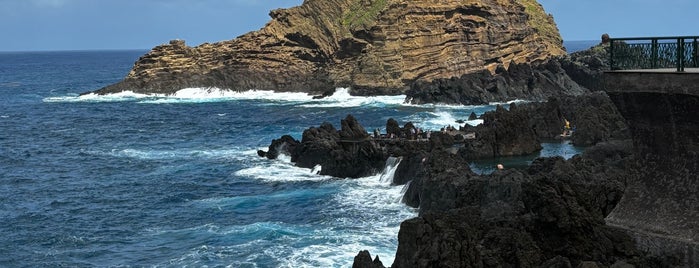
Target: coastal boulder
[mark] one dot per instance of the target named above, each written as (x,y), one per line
(345,153)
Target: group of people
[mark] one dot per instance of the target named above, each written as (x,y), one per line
(412,133)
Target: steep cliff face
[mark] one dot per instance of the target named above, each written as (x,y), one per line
(373,46)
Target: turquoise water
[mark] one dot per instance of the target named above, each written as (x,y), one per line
(549,149)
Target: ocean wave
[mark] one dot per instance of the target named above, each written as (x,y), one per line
(364,214)
(124,96)
(201,95)
(507,102)
(342,98)
(170,154)
(281,170)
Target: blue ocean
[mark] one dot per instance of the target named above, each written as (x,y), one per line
(152,180)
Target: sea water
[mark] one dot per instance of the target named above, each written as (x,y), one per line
(133,179)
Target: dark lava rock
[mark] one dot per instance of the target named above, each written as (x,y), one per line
(284,145)
(363,260)
(593,116)
(519,81)
(586,67)
(392,127)
(473,116)
(431,167)
(347,153)
(503,133)
(550,215)
(409,167)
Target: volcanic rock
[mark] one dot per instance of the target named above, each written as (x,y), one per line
(520,81)
(503,133)
(344,153)
(363,260)
(375,47)
(550,215)
(593,116)
(284,145)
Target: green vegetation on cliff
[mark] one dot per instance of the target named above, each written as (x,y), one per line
(541,21)
(362,13)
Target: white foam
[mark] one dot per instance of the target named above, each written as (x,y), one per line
(198,95)
(280,170)
(507,102)
(365,215)
(390,170)
(92,97)
(474,122)
(342,98)
(171,154)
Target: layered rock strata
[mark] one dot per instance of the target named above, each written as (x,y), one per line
(373,46)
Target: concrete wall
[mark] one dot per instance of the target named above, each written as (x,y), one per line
(660,206)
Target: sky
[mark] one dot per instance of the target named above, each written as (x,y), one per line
(30,25)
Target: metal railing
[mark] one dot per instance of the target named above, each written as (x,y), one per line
(654,53)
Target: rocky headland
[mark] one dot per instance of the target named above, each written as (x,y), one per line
(375,47)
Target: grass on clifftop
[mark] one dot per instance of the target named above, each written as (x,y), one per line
(361,15)
(540,20)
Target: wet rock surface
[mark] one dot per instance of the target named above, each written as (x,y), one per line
(345,153)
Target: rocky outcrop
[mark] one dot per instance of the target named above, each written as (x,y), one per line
(593,117)
(521,81)
(363,260)
(372,46)
(503,133)
(549,215)
(283,145)
(561,76)
(345,153)
(586,67)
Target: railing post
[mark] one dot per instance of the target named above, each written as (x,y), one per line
(680,55)
(611,54)
(695,53)
(654,54)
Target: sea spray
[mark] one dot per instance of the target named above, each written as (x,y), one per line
(390,169)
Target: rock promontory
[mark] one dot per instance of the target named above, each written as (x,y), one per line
(373,46)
